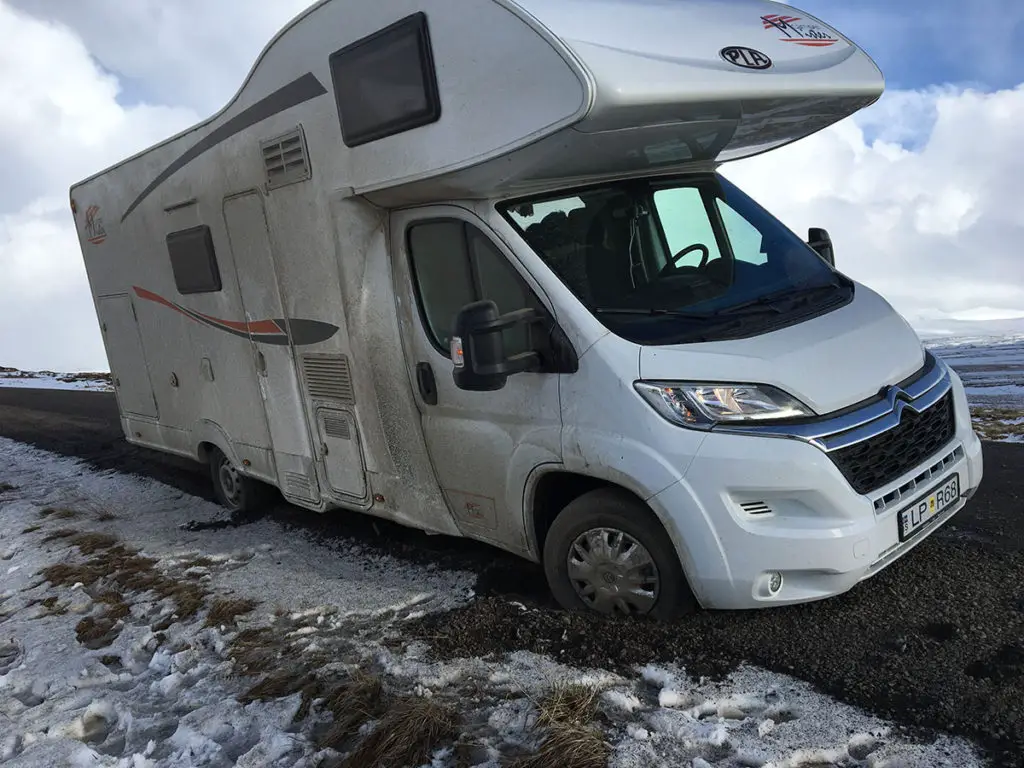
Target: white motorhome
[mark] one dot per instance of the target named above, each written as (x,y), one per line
(469,265)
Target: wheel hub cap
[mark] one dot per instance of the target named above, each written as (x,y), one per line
(229,481)
(612,572)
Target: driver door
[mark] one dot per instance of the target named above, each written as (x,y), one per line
(482,445)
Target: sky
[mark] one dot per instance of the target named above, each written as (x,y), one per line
(921,192)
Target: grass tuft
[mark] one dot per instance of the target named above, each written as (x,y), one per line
(60,533)
(255,650)
(225,611)
(278,685)
(568,746)
(92,542)
(96,632)
(32,529)
(569,739)
(105,516)
(4,487)
(998,423)
(61,513)
(188,598)
(406,735)
(126,569)
(352,703)
(568,704)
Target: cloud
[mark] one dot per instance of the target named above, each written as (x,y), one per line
(920,192)
(934,229)
(60,123)
(188,52)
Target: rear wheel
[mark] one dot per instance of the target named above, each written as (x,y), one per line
(235,491)
(607,552)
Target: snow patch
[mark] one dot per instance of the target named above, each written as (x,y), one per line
(156,699)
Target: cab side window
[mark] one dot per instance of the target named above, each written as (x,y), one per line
(454,264)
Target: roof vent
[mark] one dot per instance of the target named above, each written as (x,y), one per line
(285,160)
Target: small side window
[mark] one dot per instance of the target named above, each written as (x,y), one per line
(386,83)
(194,261)
(454,264)
(440,266)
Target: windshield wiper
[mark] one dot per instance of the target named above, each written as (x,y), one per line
(768,302)
(653,311)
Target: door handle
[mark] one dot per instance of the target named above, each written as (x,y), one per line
(427,384)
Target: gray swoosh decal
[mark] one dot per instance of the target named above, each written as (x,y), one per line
(294,93)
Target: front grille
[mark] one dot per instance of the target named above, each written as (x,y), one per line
(870,464)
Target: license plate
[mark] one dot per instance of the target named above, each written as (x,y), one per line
(914,518)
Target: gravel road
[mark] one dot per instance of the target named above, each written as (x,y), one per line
(934,641)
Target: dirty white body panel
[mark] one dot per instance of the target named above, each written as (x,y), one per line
(303,366)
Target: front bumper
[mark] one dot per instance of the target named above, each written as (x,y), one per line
(752,506)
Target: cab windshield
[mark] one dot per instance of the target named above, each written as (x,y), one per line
(681,260)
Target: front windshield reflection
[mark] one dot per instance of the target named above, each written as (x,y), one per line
(681,260)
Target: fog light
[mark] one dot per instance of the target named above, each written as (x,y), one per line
(774,582)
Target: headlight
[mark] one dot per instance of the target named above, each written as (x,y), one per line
(704,405)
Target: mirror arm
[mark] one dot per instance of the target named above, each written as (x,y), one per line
(521,363)
(519,317)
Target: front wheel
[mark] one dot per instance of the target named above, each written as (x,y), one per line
(607,552)
(235,491)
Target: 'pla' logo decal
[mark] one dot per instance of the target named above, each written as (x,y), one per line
(800,32)
(94,230)
(303,332)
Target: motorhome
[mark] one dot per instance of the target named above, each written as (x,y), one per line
(471,266)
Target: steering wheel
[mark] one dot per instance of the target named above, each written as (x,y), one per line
(671,266)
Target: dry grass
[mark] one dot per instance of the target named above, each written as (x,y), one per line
(352,703)
(50,607)
(188,597)
(278,685)
(105,516)
(126,569)
(198,562)
(4,487)
(255,650)
(570,741)
(223,612)
(568,746)
(60,513)
(96,632)
(32,529)
(91,542)
(407,735)
(568,704)
(60,533)
(998,423)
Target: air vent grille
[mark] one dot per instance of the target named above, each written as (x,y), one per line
(756,508)
(337,426)
(328,378)
(298,485)
(285,160)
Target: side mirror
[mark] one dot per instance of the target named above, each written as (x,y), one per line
(478,347)
(821,242)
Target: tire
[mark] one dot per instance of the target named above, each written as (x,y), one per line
(606,514)
(234,491)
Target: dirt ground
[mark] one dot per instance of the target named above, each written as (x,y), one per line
(934,641)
